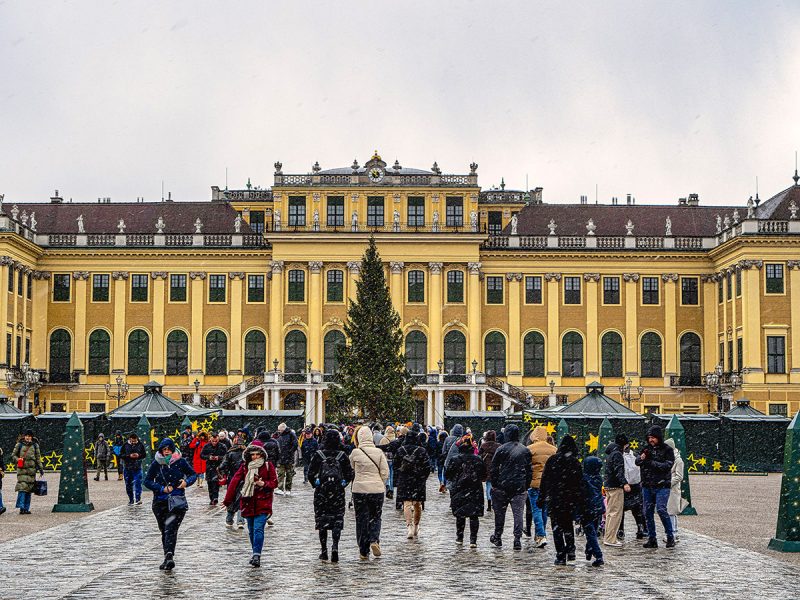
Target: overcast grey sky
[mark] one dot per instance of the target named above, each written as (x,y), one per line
(107,98)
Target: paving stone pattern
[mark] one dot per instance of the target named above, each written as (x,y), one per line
(115,554)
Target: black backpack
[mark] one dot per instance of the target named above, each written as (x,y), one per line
(411,464)
(468,476)
(330,472)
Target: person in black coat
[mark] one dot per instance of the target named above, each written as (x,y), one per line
(230,464)
(511,473)
(329,472)
(655,462)
(561,490)
(131,455)
(467,472)
(308,449)
(213,453)
(616,486)
(411,470)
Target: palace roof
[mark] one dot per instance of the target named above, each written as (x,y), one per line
(778,208)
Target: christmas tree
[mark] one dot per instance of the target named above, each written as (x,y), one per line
(73,487)
(372,382)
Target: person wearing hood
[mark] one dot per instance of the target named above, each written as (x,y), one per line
(270,446)
(511,474)
(230,464)
(258,479)
(27,458)
(675,497)
(486,453)
(116,448)
(308,448)
(541,450)
(389,449)
(225,440)
(441,437)
(467,472)
(561,491)
(593,508)
(168,477)
(198,464)
(449,450)
(213,453)
(131,455)
(655,462)
(287,445)
(329,472)
(616,486)
(413,469)
(102,455)
(370,474)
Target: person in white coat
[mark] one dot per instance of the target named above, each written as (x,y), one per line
(675,499)
(371,473)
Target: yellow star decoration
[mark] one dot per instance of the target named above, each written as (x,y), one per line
(592,442)
(695,461)
(716,465)
(88,453)
(52,460)
(153,438)
(634,444)
(702,462)
(527,418)
(551,428)
(733,469)
(11,467)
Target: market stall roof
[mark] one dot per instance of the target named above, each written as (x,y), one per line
(6,408)
(152,403)
(596,404)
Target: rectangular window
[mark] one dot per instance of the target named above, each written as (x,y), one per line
(18,353)
(416,211)
(610,290)
(776,354)
(729,285)
(720,292)
(454,216)
(255,288)
(649,290)
(721,360)
(177,288)
(28,350)
(101,290)
(59,407)
(335,211)
(738,282)
(61,287)
(97,407)
(20,282)
(739,354)
(297,211)
(139,288)
(297,285)
(572,290)
(416,286)
(216,288)
(774,278)
(9,349)
(10,279)
(495,225)
(257,221)
(375,211)
(455,286)
(533,290)
(730,356)
(494,290)
(30,287)
(335,286)
(779,410)
(689,291)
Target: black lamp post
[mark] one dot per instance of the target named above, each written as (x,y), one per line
(626,393)
(118,394)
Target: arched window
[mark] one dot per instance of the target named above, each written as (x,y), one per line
(294,401)
(533,355)
(455,402)
(651,355)
(216,353)
(455,353)
(333,344)
(138,352)
(177,353)
(572,355)
(495,353)
(60,356)
(99,352)
(294,352)
(690,359)
(611,352)
(416,353)
(255,352)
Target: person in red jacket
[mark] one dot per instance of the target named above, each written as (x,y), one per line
(198,464)
(259,478)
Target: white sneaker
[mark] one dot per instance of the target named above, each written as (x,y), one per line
(614,544)
(270,522)
(240,525)
(279,491)
(416,530)
(410,532)
(289,493)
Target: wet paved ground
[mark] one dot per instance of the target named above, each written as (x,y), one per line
(115,554)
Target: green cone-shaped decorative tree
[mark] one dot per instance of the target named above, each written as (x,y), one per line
(787,532)
(187,422)
(604,437)
(372,380)
(676,432)
(73,487)
(143,431)
(561,431)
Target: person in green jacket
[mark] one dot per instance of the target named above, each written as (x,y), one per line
(28,459)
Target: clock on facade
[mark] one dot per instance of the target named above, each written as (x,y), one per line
(376,174)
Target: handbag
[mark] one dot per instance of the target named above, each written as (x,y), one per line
(177,503)
(40,487)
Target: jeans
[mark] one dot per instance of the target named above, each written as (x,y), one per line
(168,524)
(489,491)
(1,498)
(368,509)
(461,523)
(539,514)
(306,465)
(440,472)
(255,527)
(673,519)
(655,500)
(563,533)
(592,543)
(24,500)
(390,481)
(133,484)
(500,502)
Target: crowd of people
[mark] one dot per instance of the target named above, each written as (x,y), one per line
(533,477)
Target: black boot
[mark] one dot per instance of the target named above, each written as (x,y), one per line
(169,564)
(324,554)
(334,554)
(489,506)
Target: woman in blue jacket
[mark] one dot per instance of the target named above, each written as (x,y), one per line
(168,476)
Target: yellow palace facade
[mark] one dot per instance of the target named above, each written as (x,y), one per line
(505,300)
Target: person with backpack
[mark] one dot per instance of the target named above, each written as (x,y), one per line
(230,464)
(287,445)
(655,462)
(389,450)
(308,448)
(102,456)
(329,472)
(561,491)
(27,458)
(413,469)
(131,455)
(486,453)
(370,474)
(467,472)
(541,451)
(511,477)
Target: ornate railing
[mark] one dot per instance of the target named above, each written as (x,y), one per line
(773,227)
(518,394)
(218,239)
(689,243)
(387,226)
(650,242)
(571,241)
(101,239)
(140,239)
(62,239)
(610,242)
(533,241)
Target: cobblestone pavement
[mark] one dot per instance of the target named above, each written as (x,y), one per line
(115,554)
